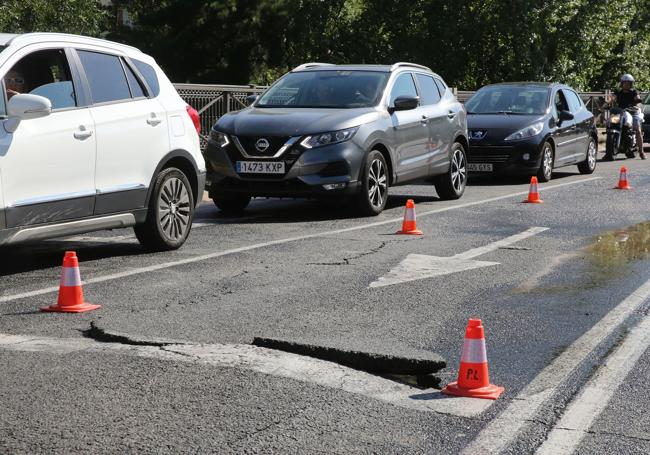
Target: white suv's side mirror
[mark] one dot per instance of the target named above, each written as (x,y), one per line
(25,107)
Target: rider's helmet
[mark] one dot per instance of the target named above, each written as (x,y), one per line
(627,78)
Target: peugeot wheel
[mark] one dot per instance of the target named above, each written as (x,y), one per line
(546,167)
(373,194)
(588,166)
(170,214)
(451,184)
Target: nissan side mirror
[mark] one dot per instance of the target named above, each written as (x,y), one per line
(250,99)
(565,116)
(405,103)
(25,107)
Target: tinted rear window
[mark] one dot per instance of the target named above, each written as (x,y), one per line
(105,76)
(149,74)
(429,92)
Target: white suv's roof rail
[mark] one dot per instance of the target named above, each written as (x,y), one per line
(414,65)
(310,65)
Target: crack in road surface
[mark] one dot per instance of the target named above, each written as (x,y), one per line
(261,360)
(347,260)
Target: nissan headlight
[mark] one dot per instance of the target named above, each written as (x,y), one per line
(615,119)
(334,137)
(219,138)
(524,133)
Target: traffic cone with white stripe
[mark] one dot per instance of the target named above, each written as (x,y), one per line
(409,225)
(473,378)
(533,192)
(623,184)
(71,297)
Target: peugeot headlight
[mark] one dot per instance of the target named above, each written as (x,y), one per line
(333,137)
(529,131)
(615,119)
(219,138)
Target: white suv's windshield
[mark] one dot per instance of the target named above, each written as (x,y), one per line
(326,89)
(508,100)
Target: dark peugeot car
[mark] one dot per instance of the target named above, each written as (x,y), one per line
(325,130)
(530,128)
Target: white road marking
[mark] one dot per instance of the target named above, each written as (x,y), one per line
(421,266)
(216,254)
(503,430)
(593,399)
(266,361)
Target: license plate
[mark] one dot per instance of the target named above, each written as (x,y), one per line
(479,167)
(260,167)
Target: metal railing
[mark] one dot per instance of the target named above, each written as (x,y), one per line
(213,101)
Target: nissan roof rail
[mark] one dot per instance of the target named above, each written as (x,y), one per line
(414,65)
(310,65)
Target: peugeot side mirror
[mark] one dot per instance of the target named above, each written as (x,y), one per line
(565,116)
(25,107)
(405,103)
(250,99)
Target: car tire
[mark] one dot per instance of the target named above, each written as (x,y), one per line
(588,166)
(170,213)
(545,171)
(451,184)
(373,193)
(232,204)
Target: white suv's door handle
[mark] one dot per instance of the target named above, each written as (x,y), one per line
(424,120)
(451,114)
(82,133)
(153,120)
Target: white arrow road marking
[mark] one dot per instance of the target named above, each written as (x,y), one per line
(421,266)
(266,361)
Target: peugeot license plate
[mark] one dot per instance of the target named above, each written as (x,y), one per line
(260,167)
(479,167)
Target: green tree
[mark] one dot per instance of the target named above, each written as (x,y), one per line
(84,17)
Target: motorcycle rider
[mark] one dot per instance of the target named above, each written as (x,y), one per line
(629,97)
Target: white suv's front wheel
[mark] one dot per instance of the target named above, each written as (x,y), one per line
(170,215)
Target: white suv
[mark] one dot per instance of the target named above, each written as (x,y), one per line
(93,136)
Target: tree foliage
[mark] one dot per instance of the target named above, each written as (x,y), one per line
(85,17)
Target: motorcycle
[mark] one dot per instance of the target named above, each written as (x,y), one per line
(620,133)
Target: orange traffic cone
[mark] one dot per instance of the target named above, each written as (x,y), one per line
(409,225)
(623,184)
(533,193)
(71,297)
(473,379)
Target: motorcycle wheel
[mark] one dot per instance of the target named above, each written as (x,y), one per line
(609,148)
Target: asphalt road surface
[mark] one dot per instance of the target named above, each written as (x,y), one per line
(355,328)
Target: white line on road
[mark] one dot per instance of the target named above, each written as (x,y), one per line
(217,254)
(503,430)
(475,252)
(266,361)
(593,399)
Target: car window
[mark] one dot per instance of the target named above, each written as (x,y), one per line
(442,87)
(575,104)
(105,76)
(560,103)
(326,89)
(3,100)
(149,74)
(508,99)
(45,73)
(137,90)
(428,90)
(403,86)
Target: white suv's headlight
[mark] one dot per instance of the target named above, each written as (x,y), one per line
(334,137)
(529,131)
(219,138)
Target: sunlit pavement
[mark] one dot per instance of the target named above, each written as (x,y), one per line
(168,366)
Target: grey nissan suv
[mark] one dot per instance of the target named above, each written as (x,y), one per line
(332,130)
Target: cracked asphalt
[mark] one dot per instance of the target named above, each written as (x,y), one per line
(299,271)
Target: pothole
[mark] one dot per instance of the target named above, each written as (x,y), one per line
(414,371)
